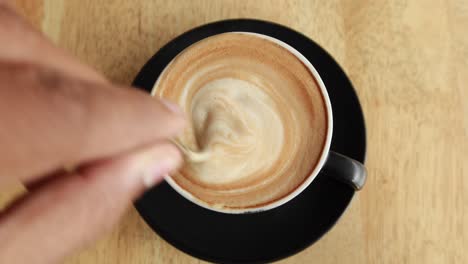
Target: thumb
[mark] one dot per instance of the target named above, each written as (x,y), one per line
(71,210)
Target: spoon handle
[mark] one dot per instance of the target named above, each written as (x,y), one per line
(190,155)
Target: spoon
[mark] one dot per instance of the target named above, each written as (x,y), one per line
(191,155)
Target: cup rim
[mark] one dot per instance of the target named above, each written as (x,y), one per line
(255,209)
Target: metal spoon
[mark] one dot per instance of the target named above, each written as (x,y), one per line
(190,155)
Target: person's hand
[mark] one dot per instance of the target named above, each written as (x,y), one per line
(83,148)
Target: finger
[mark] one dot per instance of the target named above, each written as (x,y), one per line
(49,121)
(5,2)
(22,43)
(72,210)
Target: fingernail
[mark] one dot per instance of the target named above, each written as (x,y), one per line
(155,173)
(171,106)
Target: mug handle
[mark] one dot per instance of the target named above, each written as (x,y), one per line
(346,170)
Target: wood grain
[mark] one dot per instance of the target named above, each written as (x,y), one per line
(409,62)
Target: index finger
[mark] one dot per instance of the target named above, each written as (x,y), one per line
(49,120)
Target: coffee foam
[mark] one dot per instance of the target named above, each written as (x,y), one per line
(257,110)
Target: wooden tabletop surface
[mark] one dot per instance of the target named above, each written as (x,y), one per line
(409,63)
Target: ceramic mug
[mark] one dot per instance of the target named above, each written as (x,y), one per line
(331,163)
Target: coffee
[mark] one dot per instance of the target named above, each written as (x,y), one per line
(259,112)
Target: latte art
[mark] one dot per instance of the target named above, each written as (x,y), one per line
(233,119)
(258,112)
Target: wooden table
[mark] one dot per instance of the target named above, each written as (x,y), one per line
(409,63)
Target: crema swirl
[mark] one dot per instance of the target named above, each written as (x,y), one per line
(256,108)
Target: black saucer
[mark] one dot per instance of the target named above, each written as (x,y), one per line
(280,232)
